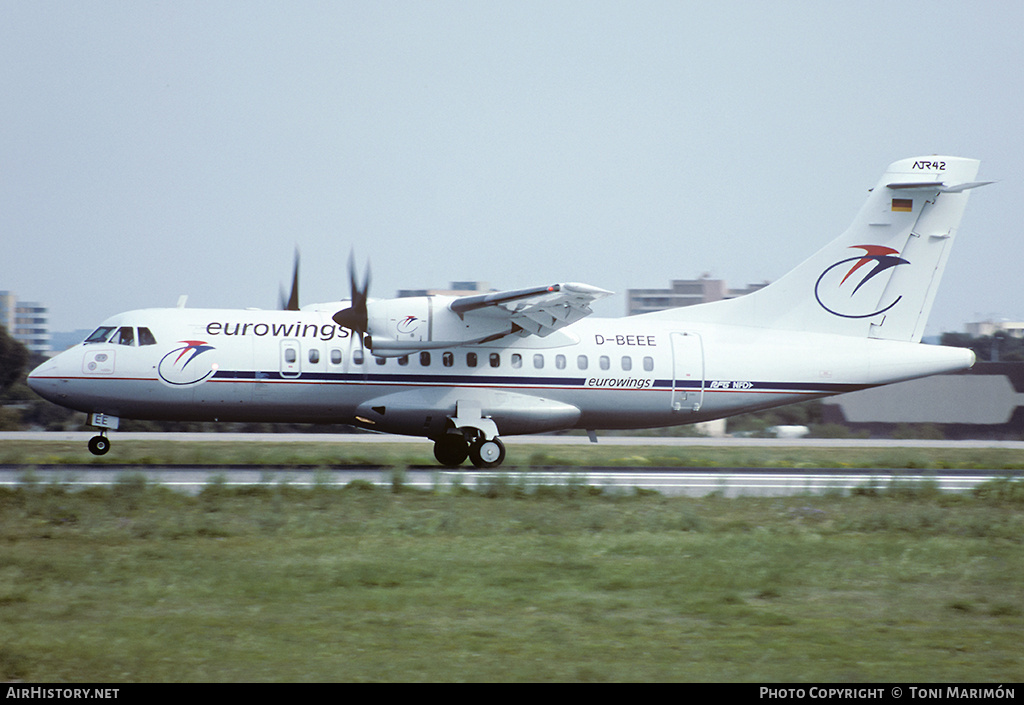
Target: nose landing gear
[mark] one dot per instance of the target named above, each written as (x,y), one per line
(99,445)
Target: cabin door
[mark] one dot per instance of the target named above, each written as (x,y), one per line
(687,372)
(291,363)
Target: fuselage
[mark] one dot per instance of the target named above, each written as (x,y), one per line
(598,373)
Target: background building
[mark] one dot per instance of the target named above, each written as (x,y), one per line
(28,322)
(457,289)
(982,328)
(683,292)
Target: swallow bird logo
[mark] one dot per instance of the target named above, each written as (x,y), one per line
(408,324)
(179,366)
(851,288)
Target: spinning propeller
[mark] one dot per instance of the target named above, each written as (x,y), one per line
(292,302)
(355,317)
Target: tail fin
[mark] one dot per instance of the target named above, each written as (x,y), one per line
(879,278)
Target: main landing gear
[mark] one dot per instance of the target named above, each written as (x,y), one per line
(452,449)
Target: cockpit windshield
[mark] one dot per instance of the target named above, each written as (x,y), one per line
(124,335)
(100,335)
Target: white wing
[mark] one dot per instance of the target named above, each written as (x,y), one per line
(537,311)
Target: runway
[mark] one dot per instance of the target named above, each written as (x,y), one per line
(693,482)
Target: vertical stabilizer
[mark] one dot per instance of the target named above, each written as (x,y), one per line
(879,278)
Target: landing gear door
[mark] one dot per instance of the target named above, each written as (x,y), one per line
(687,372)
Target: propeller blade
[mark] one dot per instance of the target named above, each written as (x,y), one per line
(292,302)
(355,317)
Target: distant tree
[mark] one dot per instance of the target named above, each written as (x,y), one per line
(13,356)
(806,413)
(957,340)
(1008,348)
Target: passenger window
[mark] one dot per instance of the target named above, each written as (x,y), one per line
(125,336)
(495,360)
(290,356)
(146,337)
(538,361)
(605,362)
(648,363)
(627,363)
(517,361)
(404,360)
(582,362)
(100,335)
(447,359)
(314,355)
(357,357)
(471,359)
(335,356)
(379,360)
(424,359)
(560,361)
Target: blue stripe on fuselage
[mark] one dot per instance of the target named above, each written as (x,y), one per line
(516,381)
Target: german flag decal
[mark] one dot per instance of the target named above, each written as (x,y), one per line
(902,205)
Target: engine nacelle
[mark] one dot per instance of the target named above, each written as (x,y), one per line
(401,326)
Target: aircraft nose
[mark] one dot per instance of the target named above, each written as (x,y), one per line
(35,377)
(45,379)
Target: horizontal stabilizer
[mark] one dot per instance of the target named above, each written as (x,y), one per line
(936,186)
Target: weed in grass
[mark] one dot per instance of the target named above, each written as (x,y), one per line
(546,459)
(14,666)
(398,477)
(215,492)
(913,488)
(360,486)
(501,486)
(458,487)
(1005,609)
(29,478)
(275,518)
(1009,490)
(961,605)
(128,492)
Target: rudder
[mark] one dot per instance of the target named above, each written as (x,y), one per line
(879,278)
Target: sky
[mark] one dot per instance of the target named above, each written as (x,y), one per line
(154,149)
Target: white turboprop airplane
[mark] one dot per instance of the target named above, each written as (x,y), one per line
(463,371)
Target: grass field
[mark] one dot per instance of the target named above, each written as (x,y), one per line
(315,454)
(276,583)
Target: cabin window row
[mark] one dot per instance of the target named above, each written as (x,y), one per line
(514,360)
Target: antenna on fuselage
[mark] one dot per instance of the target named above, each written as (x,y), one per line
(182,300)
